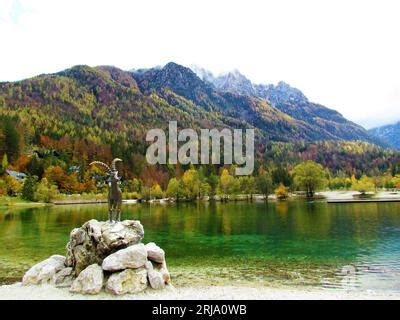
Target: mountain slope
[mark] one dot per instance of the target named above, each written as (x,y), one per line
(109,106)
(88,114)
(97,106)
(325,122)
(254,111)
(389,133)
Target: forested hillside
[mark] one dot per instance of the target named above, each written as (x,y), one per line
(64,121)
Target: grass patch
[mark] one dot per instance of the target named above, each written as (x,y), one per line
(6,201)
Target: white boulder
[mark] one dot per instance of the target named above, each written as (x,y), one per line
(155,278)
(134,256)
(64,278)
(89,281)
(155,253)
(44,271)
(127,281)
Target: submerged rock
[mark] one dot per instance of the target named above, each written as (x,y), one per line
(44,271)
(127,281)
(155,253)
(95,240)
(134,256)
(89,281)
(348,270)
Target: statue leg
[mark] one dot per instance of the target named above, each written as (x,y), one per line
(110,212)
(119,211)
(115,213)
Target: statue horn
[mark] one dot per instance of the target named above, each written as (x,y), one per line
(101,164)
(113,163)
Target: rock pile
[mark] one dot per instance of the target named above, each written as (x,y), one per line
(104,255)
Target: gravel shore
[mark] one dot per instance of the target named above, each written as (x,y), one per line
(47,292)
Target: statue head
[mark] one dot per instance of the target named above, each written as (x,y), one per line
(113,172)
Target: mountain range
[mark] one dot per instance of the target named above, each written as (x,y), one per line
(109,106)
(390,134)
(325,122)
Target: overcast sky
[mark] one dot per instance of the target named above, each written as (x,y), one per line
(343,54)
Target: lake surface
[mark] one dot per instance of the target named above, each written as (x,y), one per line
(353,246)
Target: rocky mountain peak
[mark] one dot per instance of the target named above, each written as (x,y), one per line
(234,82)
(289,92)
(172,75)
(390,134)
(203,73)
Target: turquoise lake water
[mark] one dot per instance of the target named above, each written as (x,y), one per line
(353,246)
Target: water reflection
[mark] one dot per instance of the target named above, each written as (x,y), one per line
(295,241)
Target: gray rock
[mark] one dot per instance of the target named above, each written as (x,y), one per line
(89,281)
(93,228)
(127,281)
(81,256)
(44,271)
(134,256)
(162,268)
(155,253)
(155,278)
(121,234)
(64,278)
(95,240)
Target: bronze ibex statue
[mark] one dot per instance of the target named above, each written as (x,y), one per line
(114,192)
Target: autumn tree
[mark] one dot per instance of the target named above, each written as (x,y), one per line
(175,189)
(46,192)
(156,191)
(247,185)
(226,184)
(191,183)
(264,183)
(281,192)
(56,175)
(364,185)
(309,176)
(136,185)
(10,186)
(3,188)
(205,189)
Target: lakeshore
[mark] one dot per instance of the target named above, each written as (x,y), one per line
(335,196)
(47,292)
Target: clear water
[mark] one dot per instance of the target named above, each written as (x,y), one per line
(353,246)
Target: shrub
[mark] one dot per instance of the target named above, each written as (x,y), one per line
(46,192)
(281,192)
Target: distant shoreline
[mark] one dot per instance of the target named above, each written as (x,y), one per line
(328,196)
(336,196)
